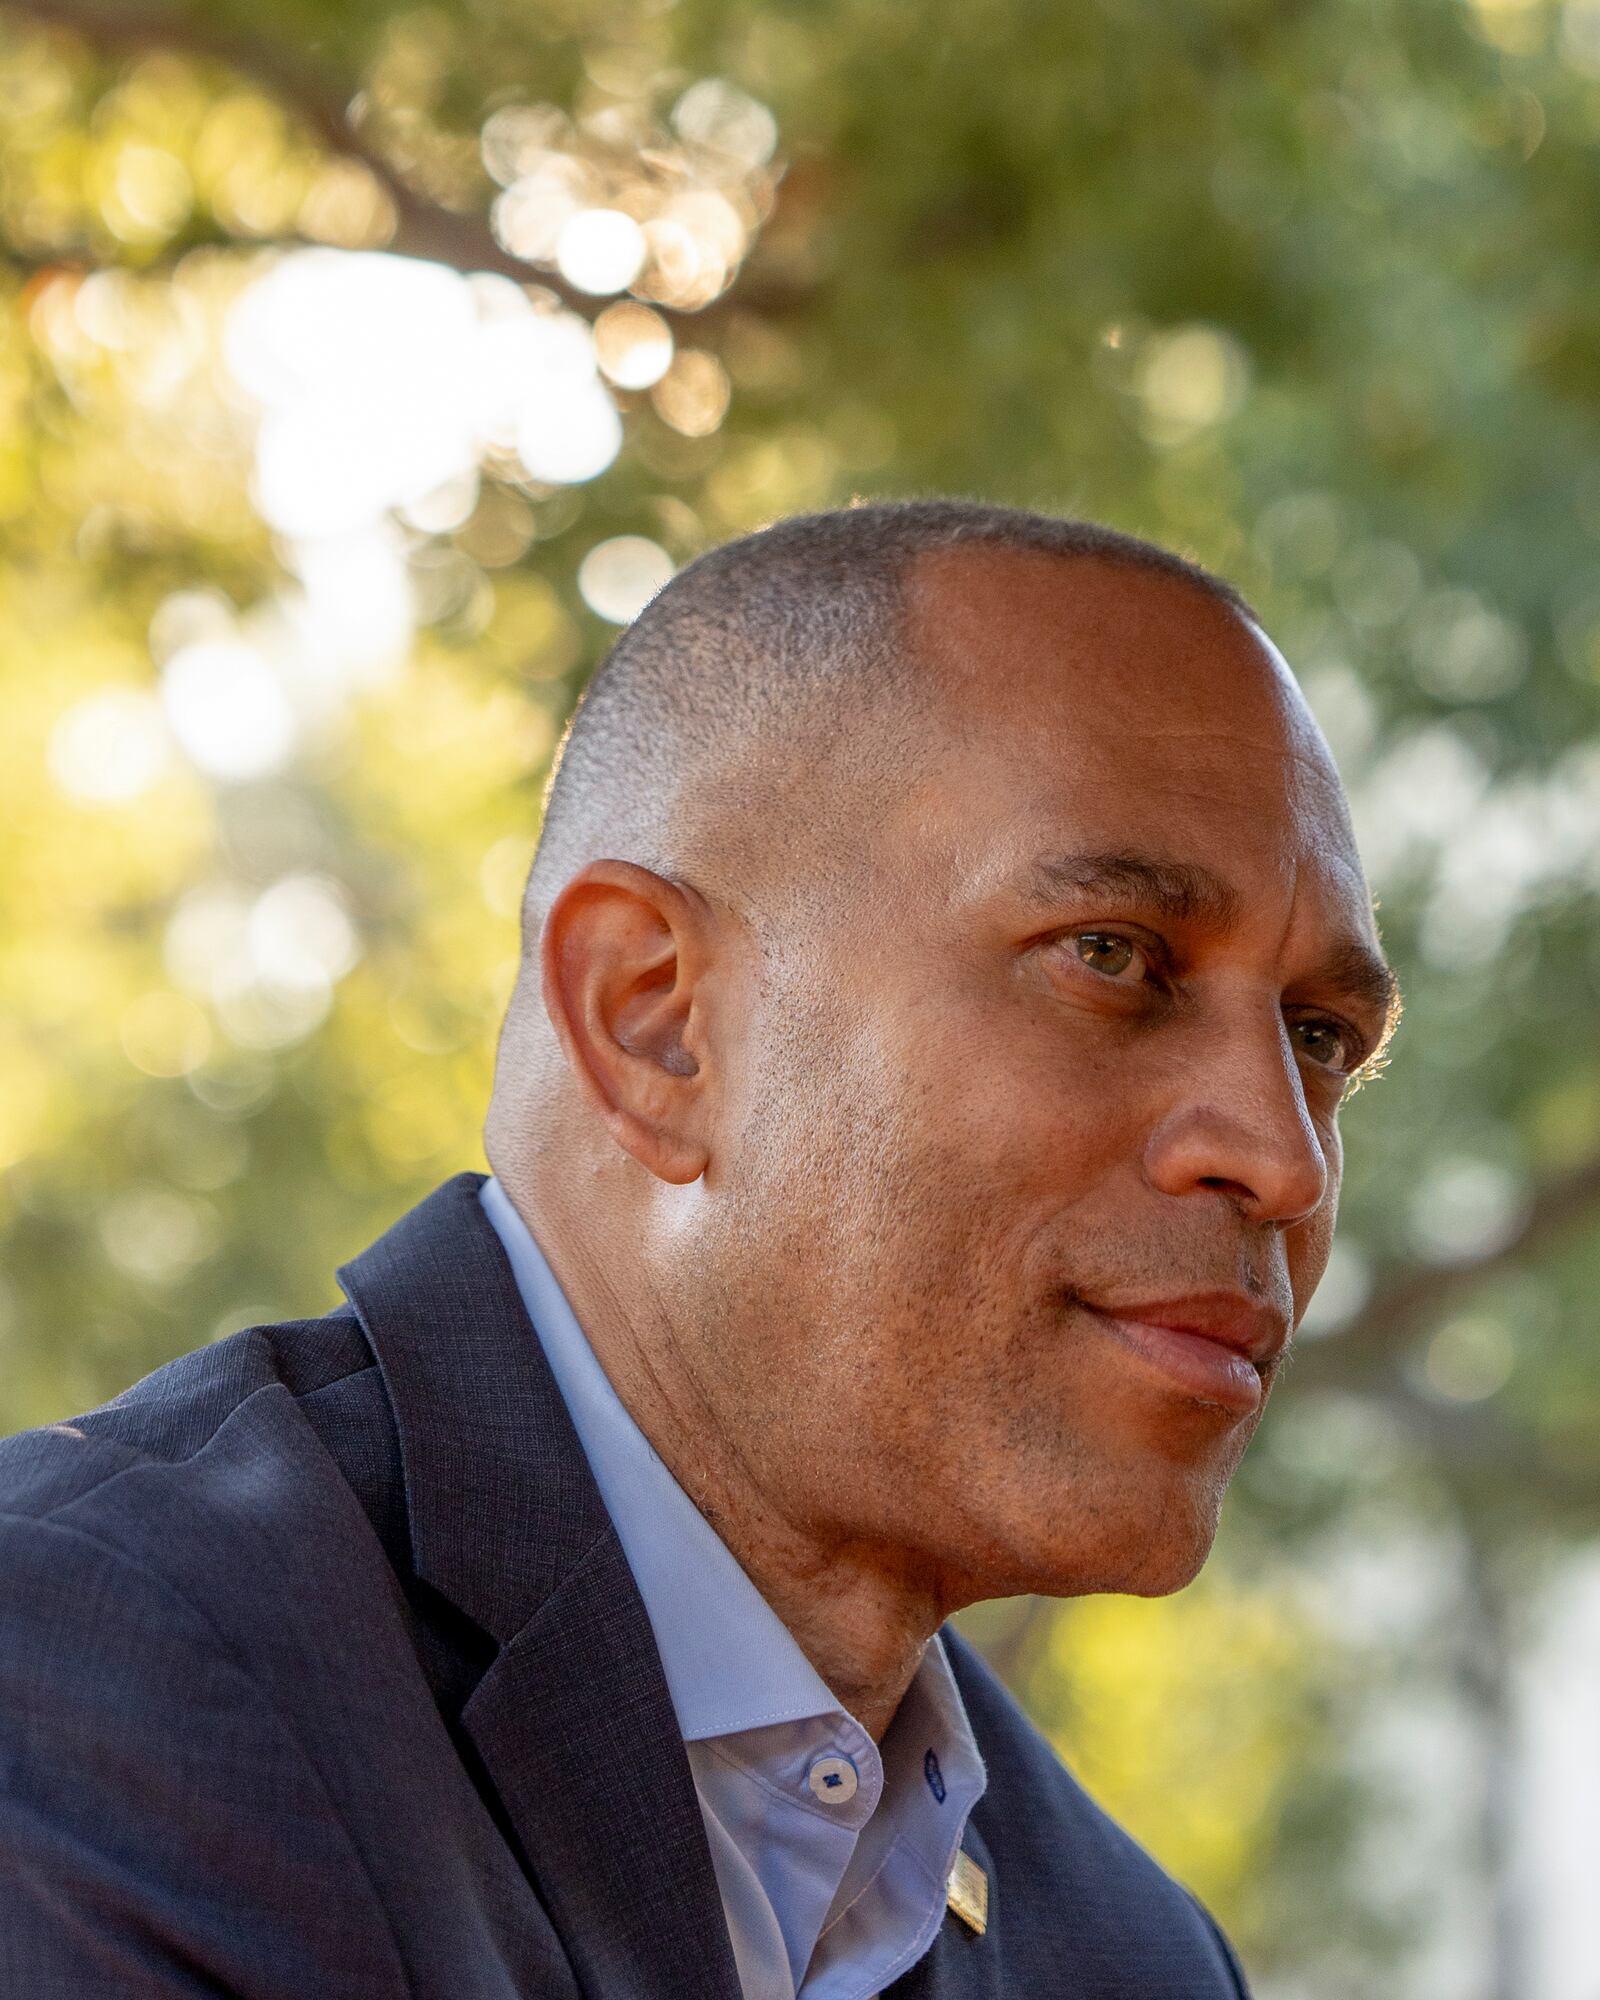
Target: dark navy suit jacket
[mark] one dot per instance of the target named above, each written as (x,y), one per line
(323,1677)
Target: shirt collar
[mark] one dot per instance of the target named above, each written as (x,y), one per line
(729,1660)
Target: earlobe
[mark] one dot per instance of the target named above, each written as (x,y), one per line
(624,957)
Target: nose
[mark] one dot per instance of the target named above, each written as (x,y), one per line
(1239,1126)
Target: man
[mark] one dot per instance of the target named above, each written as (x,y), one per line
(914,1138)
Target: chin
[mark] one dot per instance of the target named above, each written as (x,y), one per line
(1139,1555)
(1155,1570)
(1165,1570)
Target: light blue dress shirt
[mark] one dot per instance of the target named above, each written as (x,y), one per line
(831,1856)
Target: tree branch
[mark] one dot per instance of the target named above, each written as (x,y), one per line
(1416,1297)
(424,228)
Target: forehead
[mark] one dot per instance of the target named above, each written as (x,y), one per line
(1094,703)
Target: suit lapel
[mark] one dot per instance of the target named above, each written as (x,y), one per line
(959,1965)
(575,1722)
(572,1722)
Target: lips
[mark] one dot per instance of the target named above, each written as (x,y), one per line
(1228,1318)
(1211,1346)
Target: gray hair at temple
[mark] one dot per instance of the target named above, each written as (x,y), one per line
(761,659)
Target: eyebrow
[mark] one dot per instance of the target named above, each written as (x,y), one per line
(1355,968)
(1182,891)
(1186,892)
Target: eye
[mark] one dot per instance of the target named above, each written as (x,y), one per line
(1107,953)
(1328,1043)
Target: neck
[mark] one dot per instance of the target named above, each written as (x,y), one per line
(862,1615)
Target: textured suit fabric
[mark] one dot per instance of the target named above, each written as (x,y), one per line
(323,1677)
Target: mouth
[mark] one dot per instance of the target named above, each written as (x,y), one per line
(1213,1346)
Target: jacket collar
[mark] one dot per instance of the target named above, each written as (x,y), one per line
(731,1663)
(498,1492)
(573,1720)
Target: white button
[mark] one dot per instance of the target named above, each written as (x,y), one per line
(833,1780)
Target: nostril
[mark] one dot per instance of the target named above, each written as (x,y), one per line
(1235,1190)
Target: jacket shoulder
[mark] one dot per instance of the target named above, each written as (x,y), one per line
(231,1398)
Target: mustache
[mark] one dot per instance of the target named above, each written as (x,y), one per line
(1145,1270)
(1149,1281)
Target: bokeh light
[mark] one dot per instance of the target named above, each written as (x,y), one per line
(155,1234)
(633,345)
(1466,1208)
(720,117)
(600,250)
(165,1034)
(693,394)
(618,578)
(109,748)
(1188,380)
(228,709)
(1469,1359)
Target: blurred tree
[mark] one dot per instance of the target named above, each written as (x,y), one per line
(361,370)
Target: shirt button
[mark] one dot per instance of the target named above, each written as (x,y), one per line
(833,1780)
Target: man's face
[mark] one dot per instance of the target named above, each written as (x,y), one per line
(1059,1081)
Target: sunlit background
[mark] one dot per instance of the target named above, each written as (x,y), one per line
(364,369)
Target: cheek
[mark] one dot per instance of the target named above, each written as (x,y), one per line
(1006,1080)
(982,1160)
(916,1141)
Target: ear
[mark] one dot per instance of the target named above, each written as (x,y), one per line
(624,955)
